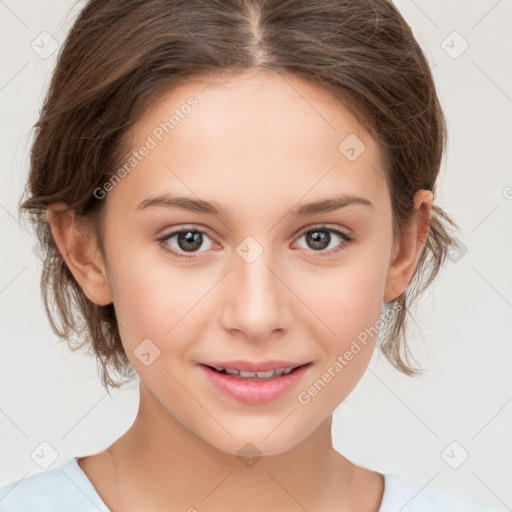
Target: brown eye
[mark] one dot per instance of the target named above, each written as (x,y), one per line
(325,240)
(318,239)
(189,240)
(186,241)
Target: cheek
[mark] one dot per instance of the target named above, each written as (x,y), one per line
(345,299)
(162,302)
(349,306)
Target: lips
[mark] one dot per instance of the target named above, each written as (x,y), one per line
(255,390)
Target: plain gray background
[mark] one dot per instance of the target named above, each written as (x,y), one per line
(422,428)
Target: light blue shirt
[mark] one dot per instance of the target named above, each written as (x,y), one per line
(66,488)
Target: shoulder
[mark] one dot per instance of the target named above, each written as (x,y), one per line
(64,488)
(400,492)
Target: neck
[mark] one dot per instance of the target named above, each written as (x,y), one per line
(160,458)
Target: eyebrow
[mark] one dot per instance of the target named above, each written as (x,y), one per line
(213,208)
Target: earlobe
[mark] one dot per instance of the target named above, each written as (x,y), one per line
(402,267)
(80,252)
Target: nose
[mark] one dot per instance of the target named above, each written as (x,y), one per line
(257,301)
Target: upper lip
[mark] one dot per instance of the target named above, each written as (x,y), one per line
(253,366)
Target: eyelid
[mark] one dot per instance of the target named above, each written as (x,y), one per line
(325,226)
(185,227)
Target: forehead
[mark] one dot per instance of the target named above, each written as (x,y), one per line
(263,136)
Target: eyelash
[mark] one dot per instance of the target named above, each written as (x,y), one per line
(347,239)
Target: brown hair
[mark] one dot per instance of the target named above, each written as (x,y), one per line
(120,55)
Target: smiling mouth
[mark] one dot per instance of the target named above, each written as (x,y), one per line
(267,375)
(255,388)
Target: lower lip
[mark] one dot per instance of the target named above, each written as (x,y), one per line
(253,391)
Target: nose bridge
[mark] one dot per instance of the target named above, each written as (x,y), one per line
(257,303)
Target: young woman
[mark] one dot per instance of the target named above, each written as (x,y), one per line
(231,194)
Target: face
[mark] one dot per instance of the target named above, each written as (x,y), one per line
(262,277)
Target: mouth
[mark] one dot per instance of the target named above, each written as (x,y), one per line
(257,375)
(258,387)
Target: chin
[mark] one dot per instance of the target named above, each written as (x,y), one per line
(256,446)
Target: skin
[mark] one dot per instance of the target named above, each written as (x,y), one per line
(258,144)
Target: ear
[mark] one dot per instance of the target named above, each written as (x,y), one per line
(80,252)
(404,263)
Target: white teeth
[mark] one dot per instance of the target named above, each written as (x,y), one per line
(261,375)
